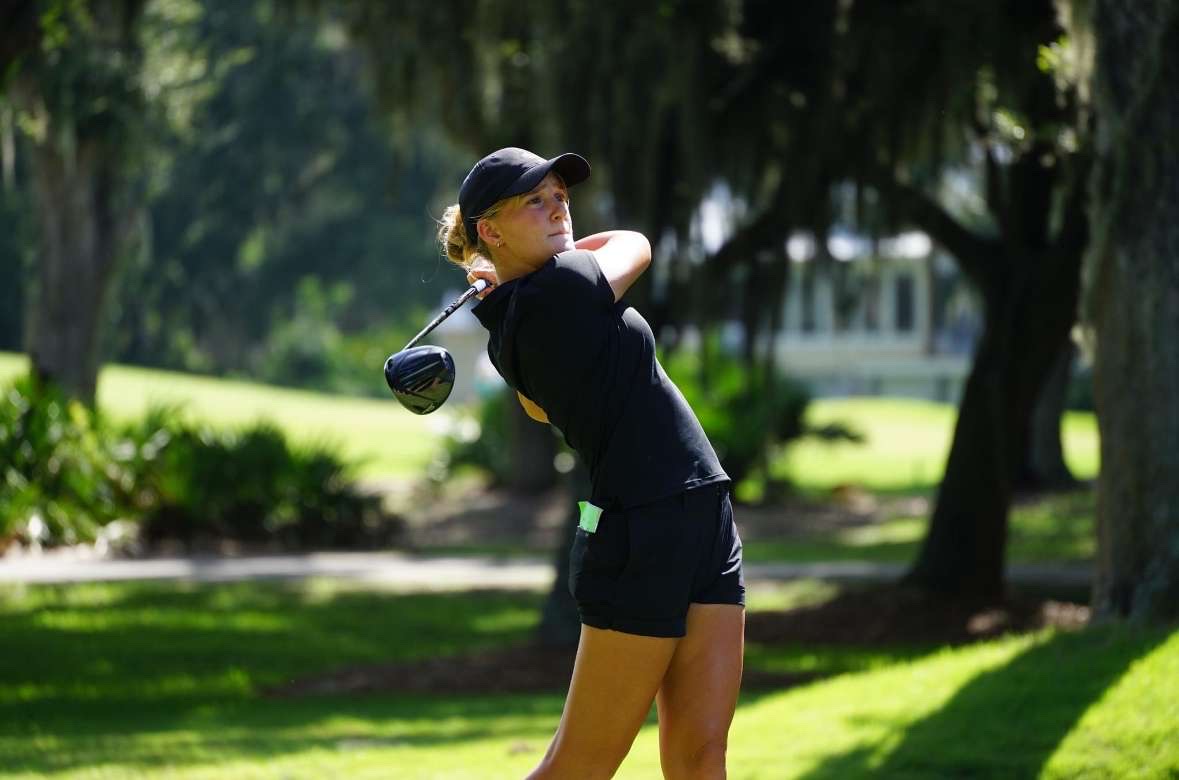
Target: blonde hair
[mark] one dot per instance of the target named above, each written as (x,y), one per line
(452,235)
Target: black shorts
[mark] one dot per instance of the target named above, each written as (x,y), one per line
(642,567)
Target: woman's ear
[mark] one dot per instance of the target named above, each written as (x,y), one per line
(488,233)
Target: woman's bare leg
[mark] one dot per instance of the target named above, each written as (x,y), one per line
(615,678)
(699,693)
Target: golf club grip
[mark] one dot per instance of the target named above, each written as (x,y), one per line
(479,286)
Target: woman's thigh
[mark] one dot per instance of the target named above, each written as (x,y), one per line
(699,691)
(615,678)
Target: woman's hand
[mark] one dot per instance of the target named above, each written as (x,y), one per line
(486,271)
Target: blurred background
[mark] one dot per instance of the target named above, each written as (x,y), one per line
(893,244)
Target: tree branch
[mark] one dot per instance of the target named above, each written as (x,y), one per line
(769,227)
(975,255)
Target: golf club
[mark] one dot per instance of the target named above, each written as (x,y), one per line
(421,378)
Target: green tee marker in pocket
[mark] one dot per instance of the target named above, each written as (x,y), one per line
(589,516)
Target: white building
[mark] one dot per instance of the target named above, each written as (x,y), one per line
(887,318)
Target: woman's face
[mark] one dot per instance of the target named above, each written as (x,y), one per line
(537,226)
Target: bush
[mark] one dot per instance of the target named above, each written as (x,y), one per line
(310,351)
(743,414)
(479,438)
(252,486)
(67,473)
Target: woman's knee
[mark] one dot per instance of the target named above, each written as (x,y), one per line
(698,759)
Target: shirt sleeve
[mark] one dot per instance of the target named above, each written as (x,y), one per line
(564,330)
(577,276)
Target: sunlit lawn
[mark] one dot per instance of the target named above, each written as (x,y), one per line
(163,680)
(905,447)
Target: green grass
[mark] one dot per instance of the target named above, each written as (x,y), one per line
(152,680)
(907,442)
(383,437)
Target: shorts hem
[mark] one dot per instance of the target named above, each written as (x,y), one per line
(676,628)
(738,602)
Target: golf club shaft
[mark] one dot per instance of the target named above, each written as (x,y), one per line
(479,286)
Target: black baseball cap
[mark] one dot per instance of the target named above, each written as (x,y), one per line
(512,171)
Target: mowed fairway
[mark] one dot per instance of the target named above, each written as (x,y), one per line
(147,680)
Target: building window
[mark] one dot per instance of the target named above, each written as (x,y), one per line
(904,303)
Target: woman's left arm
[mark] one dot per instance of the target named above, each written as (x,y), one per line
(623,255)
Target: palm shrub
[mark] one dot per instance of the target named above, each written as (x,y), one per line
(743,412)
(64,472)
(253,486)
(748,413)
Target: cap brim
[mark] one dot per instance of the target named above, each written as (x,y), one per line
(572,168)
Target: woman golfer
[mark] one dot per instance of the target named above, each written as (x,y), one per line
(656,564)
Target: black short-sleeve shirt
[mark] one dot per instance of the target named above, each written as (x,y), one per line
(558,336)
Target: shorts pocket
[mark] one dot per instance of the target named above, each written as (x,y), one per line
(596,560)
(576,559)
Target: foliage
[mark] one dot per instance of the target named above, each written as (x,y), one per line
(309,349)
(65,472)
(284,214)
(68,472)
(743,413)
(479,438)
(252,486)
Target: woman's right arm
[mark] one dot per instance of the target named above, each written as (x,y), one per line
(623,255)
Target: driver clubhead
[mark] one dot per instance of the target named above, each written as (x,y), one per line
(421,378)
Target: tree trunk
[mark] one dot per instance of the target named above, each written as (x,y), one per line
(82,94)
(1043,466)
(964,548)
(1132,303)
(1030,308)
(79,238)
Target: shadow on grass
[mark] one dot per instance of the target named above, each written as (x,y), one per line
(92,669)
(111,733)
(1009,721)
